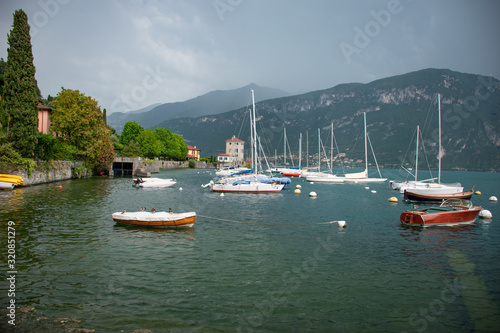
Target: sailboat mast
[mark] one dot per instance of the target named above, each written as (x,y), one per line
(251,140)
(284,146)
(307,149)
(254,129)
(300,150)
(416,154)
(440,154)
(366,144)
(331,153)
(319,150)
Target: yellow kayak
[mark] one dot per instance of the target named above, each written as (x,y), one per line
(11,179)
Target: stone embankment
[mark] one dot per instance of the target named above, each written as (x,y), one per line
(48,171)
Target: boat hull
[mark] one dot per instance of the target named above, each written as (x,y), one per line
(424,219)
(247,188)
(6,185)
(156,220)
(413,196)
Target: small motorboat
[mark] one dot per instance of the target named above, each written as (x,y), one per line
(450,212)
(156,219)
(415,195)
(153,182)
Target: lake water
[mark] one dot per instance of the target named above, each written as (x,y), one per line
(252,263)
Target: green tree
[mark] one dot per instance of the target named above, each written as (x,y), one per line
(150,144)
(20,91)
(130,132)
(131,150)
(77,119)
(173,145)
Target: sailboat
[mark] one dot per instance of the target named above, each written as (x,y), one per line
(324,177)
(412,184)
(255,183)
(295,171)
(436,191)
(358,177)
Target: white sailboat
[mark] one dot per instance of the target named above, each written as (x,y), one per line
(255,183)
(436,188)
(412,184)
(358,177)
(324,177)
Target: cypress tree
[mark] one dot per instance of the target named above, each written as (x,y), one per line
(20,89)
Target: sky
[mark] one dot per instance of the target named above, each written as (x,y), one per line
(128,54)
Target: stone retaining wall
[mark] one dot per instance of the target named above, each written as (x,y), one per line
(49,171)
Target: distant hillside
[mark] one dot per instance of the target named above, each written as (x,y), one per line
(470,106)
(214,102)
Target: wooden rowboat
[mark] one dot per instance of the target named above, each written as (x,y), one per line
(412,196)
(450,212)
(156,219)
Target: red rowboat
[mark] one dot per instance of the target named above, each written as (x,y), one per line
(450,212)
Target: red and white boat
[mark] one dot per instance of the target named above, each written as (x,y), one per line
(450,212)
(291,172)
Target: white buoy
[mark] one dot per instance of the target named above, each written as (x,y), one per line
(296,191)
(180,188)
(313,195)
(341,224)
(393,199)
(312,182)
(493,198)
(485,214)
(298,186)
(222,194)
(367,188)
(373,191)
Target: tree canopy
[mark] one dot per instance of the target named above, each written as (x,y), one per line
(20,91)
(78,120)
(158,143)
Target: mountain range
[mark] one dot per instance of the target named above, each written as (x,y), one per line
(470,106)
(213,102)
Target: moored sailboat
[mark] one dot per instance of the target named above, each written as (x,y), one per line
(255,183)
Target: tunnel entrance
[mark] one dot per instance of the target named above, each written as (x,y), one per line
(123,168)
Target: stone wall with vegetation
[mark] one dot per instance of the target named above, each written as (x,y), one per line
(47,171)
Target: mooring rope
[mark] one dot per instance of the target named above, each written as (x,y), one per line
(273,224)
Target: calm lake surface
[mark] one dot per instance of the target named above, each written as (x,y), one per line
(252,263)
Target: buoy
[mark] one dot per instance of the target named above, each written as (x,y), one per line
(341,224)
(60,187)
(312,182)
(313,195)
(296,191)
(493,198)
(367,188)
(393,199)
(222,194)
(477,193)
(373,191)
(298,186)
(485,214)
(180,188)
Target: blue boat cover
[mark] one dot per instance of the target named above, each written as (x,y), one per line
(265,180)
(242,172)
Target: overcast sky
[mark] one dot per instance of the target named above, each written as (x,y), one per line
(132,53)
